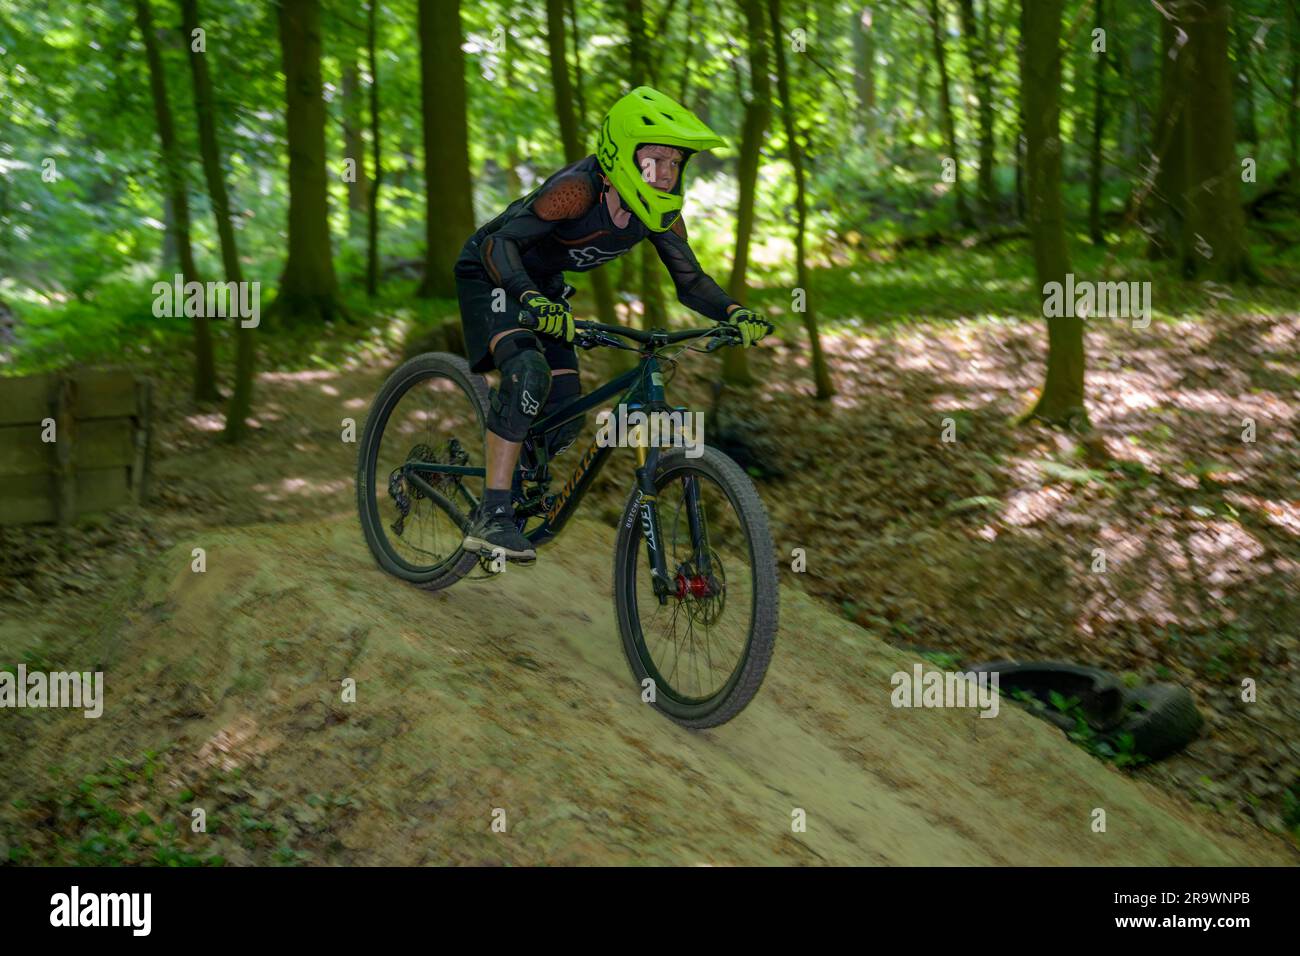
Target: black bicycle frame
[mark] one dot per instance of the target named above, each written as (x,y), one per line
(642,385)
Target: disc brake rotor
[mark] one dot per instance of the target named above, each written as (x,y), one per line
(704,596)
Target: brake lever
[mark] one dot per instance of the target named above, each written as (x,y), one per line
(718,340)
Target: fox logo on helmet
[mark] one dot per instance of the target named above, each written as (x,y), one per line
(606,148)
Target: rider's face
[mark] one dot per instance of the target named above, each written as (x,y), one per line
(660,166)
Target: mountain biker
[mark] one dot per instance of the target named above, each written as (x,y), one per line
(586,214)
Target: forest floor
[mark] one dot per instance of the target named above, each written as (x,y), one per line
(978,548)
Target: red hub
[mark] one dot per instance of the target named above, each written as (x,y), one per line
(697,586)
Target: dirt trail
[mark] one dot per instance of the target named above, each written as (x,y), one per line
(513,693)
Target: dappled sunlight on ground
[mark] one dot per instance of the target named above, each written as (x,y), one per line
(212,422)
(989,545)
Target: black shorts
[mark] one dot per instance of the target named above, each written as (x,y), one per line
(480,324)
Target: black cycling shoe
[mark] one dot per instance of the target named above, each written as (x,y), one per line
(488,533)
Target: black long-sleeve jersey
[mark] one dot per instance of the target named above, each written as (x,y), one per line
(565,225)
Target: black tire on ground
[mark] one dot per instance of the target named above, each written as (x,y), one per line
(1163,719)
(747,676)
(1100,692)
(420,368)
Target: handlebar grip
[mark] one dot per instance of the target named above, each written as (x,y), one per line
(526,319)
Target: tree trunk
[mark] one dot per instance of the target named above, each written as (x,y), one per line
(1139,80)
(685,85)
(354,148)
(1247,128)
(205,378)
(1020,111)
(559,62)
(308,287)
(1216,234)
(577,70)
(921,112)
(1293,108)
(821,374)
(758,108)
(241,399)
(372,218)
(573,151)
(654,311)
(449,213)
(1061,401)
(945,111)
(864,67)
(1167,203)
(1098,128)
(978,54)
(170,250)
(514,185)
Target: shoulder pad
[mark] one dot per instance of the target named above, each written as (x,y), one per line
(566,197)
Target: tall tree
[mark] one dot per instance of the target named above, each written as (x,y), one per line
(978,53)
(372,217)
(863,29)
(758,108)
(1018,7)
(641,69)
(354,147)
(1061,400)
(1216,222)
(1098,127)
(449,216)
(1293,105)
(205,378)
(205,112)
(1248,127)
(1166,205)
(577,70)
(308,287)
(573,151)
(514,185)
(821,373)
(938,28)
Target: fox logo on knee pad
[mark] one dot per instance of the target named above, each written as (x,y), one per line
(529,404)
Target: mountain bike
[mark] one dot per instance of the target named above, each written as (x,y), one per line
(695,591)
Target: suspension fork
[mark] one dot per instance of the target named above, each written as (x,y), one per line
(647,464)
(699,528)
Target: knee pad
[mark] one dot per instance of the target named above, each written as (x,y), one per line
(564,389)
(525,386)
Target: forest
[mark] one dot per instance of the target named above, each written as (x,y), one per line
(1032,393)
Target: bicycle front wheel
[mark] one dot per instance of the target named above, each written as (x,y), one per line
(706,644)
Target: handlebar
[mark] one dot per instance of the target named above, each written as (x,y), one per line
(722,334)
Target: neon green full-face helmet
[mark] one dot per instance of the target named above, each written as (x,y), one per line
(646,116)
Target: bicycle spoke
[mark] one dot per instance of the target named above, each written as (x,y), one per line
(698,646)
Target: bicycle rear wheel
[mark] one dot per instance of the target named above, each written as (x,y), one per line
(707,644)
(431,409)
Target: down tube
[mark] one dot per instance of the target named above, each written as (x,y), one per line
(588,469)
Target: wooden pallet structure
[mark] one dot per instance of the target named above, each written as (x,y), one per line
(99,456)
